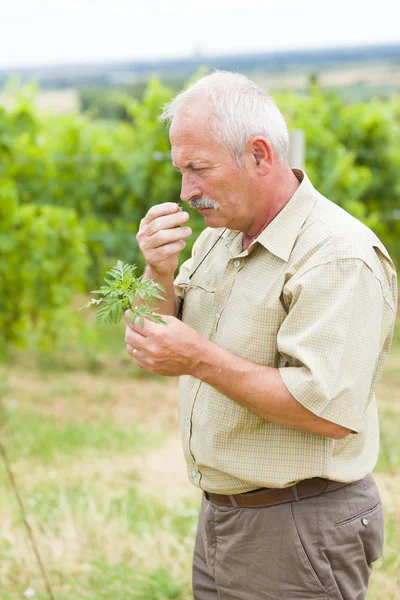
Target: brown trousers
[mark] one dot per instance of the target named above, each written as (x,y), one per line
(319,548)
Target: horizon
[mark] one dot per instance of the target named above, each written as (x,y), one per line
(195,55)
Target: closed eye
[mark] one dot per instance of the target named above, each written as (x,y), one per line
(191,168)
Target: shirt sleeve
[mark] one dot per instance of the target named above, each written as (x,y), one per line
(331,339)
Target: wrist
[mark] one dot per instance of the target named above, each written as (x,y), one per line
(159,277)
(203,359)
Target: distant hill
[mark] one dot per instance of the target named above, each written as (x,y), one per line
(282,62)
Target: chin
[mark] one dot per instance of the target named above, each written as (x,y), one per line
(216,221)
(212,220)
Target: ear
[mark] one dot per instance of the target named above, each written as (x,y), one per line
(261,153)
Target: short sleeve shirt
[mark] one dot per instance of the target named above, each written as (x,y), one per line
(313,296)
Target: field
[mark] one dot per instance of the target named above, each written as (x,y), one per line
(355,82)
(338,76)
(96,454)
(54,101)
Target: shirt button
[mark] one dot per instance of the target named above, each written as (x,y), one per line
(236,263)
(187,421)
(364,521)
(217,315)
(194,473)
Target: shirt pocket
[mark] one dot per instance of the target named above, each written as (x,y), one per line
(198,305)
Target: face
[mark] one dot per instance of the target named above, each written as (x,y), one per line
(211,180)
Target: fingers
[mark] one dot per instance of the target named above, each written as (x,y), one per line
(161,237)
(160,228)
(163,253)
(131,351)
(169,319)
(133,323)
(166,222)
(159,210)
(149,326)
(163,230)
(167,236)
(135,327)
(133,340)
(136,355)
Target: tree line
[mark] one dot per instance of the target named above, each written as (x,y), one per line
(73,190)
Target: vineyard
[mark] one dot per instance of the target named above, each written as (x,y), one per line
(93,441)
(73,190)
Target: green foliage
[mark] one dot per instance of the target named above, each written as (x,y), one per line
(352,155)
(107,174)
(121,292)
(43,262)
(103,103)
(110,103)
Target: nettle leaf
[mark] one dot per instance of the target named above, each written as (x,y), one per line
(157,319)
(121,291)
(91,303)
(131,298)
(121,271)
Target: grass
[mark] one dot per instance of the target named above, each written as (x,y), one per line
(97,458)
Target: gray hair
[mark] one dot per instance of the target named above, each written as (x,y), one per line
(240,110)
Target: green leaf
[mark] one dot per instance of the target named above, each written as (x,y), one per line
(120,292)
(91,303)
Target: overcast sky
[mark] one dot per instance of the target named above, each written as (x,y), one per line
(36,32)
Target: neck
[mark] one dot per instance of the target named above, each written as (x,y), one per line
(280,191)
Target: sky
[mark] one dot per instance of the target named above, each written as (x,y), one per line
(40,32)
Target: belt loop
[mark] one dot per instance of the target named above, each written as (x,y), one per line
(295,493)
(233,500)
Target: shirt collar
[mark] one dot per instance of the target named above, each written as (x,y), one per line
(280,235)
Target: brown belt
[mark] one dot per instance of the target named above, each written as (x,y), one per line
(270,496)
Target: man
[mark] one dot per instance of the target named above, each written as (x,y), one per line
(286,312)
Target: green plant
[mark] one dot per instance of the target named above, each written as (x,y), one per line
(120,293)
(43,261)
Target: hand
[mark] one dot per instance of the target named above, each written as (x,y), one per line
(161,238)
(172,349)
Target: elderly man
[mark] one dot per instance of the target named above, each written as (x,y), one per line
(278,326)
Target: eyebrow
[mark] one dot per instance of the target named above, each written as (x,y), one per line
(189,165)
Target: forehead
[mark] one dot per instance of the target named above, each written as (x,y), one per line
(195,117)
(191,135)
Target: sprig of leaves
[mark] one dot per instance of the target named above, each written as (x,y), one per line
(120,292)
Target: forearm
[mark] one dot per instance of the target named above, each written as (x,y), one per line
(168,306)
(260,389)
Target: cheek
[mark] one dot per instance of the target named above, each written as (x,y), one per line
(232,200)
(225,189)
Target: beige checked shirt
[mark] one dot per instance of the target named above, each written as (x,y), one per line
(314,296)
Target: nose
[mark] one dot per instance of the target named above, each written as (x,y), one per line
(189,187)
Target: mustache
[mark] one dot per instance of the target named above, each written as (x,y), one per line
(203,202)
